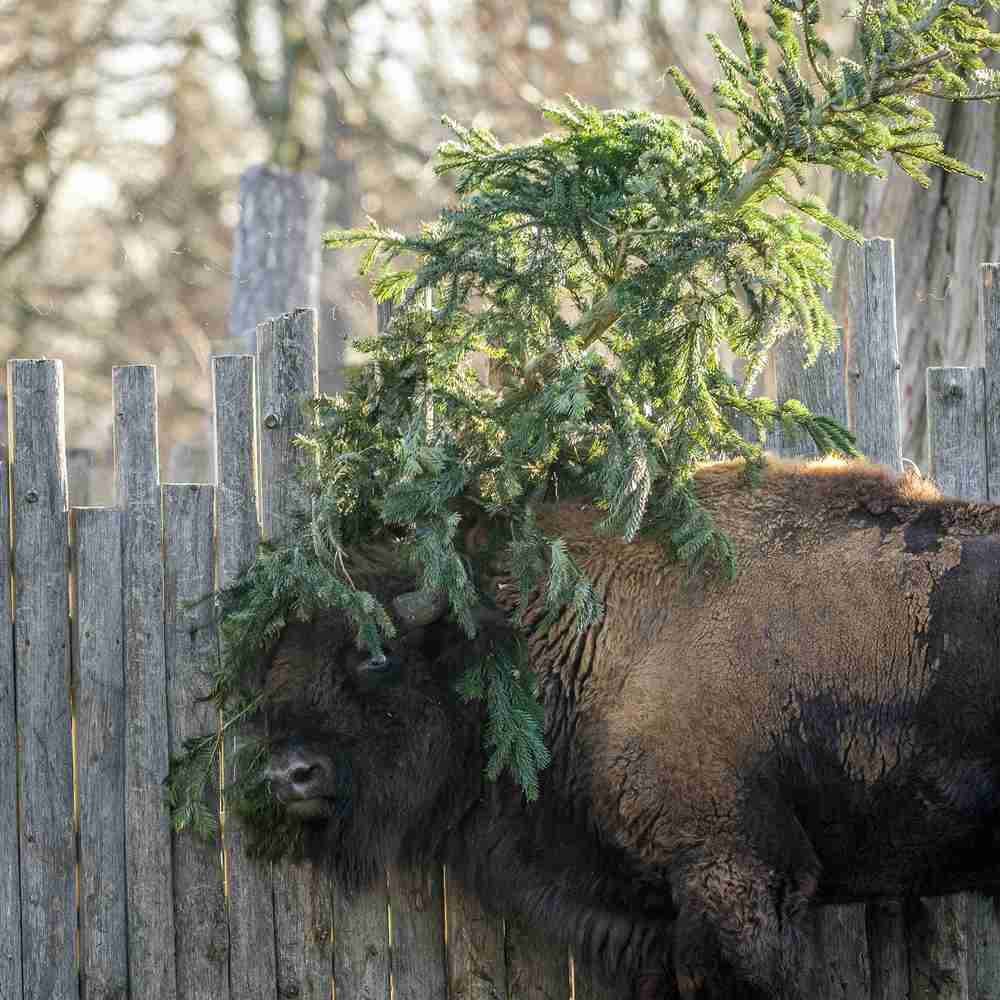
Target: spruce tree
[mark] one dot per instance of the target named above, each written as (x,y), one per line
(600,267)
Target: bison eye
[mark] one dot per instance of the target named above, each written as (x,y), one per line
(378,670)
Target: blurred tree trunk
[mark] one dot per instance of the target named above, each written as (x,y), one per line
(942,235)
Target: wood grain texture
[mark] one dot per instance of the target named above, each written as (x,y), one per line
(939,949)
(873,363)
(477,968)
(42,679)
(989,320)
(983,936)
(536,970)
(288,374)
(956,431)
(10,868)
(252,962)
(276,253)
(416,901)
(837,959)
(99,695)
(888,953)
(152,970)
(191,650)
(361,937)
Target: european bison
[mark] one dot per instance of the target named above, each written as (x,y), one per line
(825,728)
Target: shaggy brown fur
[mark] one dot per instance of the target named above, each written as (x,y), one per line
(826,727)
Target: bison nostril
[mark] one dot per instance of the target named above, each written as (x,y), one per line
(302,775)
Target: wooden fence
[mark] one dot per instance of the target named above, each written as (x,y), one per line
(103,657)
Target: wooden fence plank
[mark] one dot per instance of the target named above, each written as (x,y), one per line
(586,988)
(983,934)
(939,949)
(956,431)
(989,318)
(10,868)
(887,950)
(191,651)
(477,968)
(838,966)
(873,353)
(276,253)
(288,375)
(99,689)
(42,665)
(821,387)
(536,970)
(152,971)
(252,963)
(416,902)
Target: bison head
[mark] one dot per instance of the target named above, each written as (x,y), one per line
(372,753)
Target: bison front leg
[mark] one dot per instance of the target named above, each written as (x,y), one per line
(737,930)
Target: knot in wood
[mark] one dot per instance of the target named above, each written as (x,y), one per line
(31,496)
(271,421)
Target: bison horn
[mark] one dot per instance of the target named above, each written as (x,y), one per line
(419,607)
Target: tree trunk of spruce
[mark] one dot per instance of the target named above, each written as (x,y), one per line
(942,235)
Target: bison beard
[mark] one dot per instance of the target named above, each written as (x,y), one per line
(826,728)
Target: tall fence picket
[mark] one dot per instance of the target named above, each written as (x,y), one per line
(288,377)
(475,948)
(147,824)
(989,318)
(536,970)
(99,689)
(191,649)
(42,678)
(10,868)
(252,963)
(956,431)
(873,361)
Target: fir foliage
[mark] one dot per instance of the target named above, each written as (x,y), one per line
(599,267)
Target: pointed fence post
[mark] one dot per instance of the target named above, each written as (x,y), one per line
(873,354)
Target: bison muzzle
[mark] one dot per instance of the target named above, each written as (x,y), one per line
(825,728)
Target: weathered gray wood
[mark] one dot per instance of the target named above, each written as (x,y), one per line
(41,656)
(288,376)
(80,464)
(956,431)
(303,919)
(191,651)
(252,963)
(477,968)
(361,955)
(838,965)
(821,388)
(939,949)
(536,970)
(10,869)
(586,988)
(873,354)
(99,695)
(888,953)
(276,257)
(989,318)
(416,901)
(983,935)
(147,822)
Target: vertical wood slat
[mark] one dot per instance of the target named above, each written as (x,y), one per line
(42,641)
(288,376)
(983,934)
(536,969)
(252,965)
(477,969)
(191,649)
(989,318)
(416,899)
(837,963)
(99,689)
(939,949)
(873,362)
(956,431)
(821,387)
(149,879)
(887,950)
(585,987)
(10,869)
